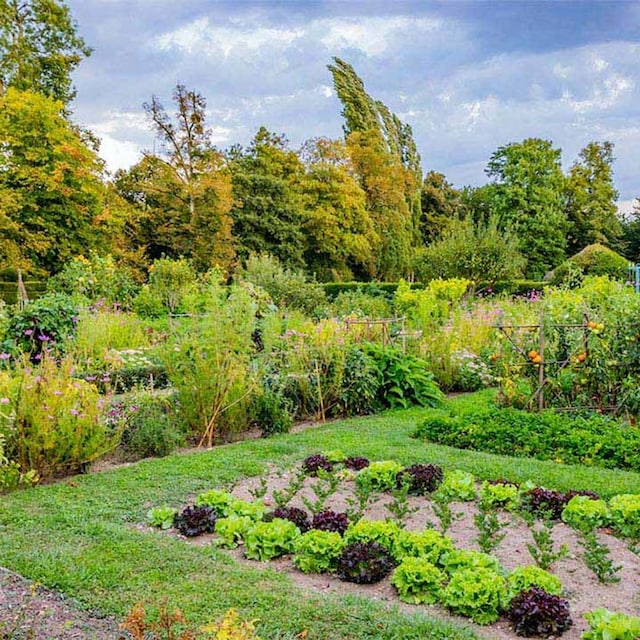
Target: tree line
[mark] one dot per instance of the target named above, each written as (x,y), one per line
(358,207)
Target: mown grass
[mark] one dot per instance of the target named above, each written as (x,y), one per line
(80,536)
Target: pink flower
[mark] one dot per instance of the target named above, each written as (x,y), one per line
(4,401)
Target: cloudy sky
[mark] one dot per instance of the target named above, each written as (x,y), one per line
(468,76)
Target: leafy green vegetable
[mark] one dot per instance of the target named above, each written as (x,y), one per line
(418,581)
(317,551)
(500,495)
(457,485)
(266,540)
(534,612)
(625,515)
(611,625)
(478,593)
(231,530)
(585,514)
(364,563)
(254,510)
(161,517)
(219,501)
(383,532)
(461,559)
(522,578)
(428,545)
(379,476)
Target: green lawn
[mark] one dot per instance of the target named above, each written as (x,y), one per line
(79,536)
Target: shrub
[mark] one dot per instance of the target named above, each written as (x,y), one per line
(11,475)
(378,476)
(269,412)
(170,281)
(43,325)
(429,545)
(524,577)
(477,593)
(418,581)
(585,514)
(611,625)
(313,464)
(266,540)
(53,422)
(151,427)
(360,388)
(195,520)
(299,517)
(330,521)
(317,551)
(422,478)
(594,440)
(364,563)
(625,515)
(535,612)
(593,260)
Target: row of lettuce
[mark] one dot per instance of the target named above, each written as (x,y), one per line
(425,566)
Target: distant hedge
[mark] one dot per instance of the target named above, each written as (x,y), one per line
(9,290)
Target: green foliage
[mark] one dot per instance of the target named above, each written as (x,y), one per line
(147,304)
(428,545)
(406,379)
(525,577)
(457,485)
(45,323)
(150,427)
(378,476)
(289,289)
(611,625)
(535,612)
(624,515)
(52,420)
(266,540)
(585,513)
(385,533)
(500,495)
(475,251)
(360,389)
(597,557)
(542,550)
(231,530)
(489,527)
(364,563)
(593,260)
(11,475)
(99,278)
(220,501)
(317,551)
(360,302)
(254,510)
(40,47)
(161,517)
(463,559)
(418,581)
(170,281)
(594,439)
(477,593)
(269,412)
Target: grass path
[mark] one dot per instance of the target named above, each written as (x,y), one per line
(80,536)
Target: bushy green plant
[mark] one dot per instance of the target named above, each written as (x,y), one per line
(477,593)
(220,501)
(151,426)
(254,510)
(428,544)
(597,557)
(405,379)
(500,495)
(147,304)
(360,388)
(524,577)
(270,413)
(460,559)
(418,581)
(231,530)
(161,517)
(170,281)
(43,325)
(266,540)
(593,260)
(11,475)
(384,533)
(379,476)
(52,421)
(317,551)
(585,513)
(624,512)
(360,304)
(458,485)
(611,625)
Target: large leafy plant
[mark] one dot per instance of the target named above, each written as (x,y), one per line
(418,581)
(534,612)
(317,551)
(585,514)
(624,512)
(525,577)
(477,593)
(266,540)
(379,476)
(364,563)
(429,545)
(384,533)
(611,625)
(231,530)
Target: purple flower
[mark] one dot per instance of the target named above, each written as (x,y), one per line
(90,378)
(5,356)
(74,412)
(4,401)
(28,332)
(43,338)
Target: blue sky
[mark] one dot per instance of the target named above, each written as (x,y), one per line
(468,76)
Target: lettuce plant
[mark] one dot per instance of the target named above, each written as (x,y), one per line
(299,517)
(220,501)
(462,559)
(523,578)
(585,514)
(231,530)
(356,463)
(317,551)
(534,612)
(161,517)
(457,485)
(625,515)
(422,478)
(611,625)
(418,581)
(544,503)
(195,520)
(428,545)
(379,476)
(478,593)
(314,463)
(329,520)
(266,540)
(364,563)
(500,495)
(383,532)
(254,510)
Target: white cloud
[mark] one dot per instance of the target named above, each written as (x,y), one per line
(604,95)
(118,154)
(627,207)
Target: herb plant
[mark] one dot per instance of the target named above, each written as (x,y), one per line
(535,612)
(542,549)
(597,557)
(364,563)
(489,528)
